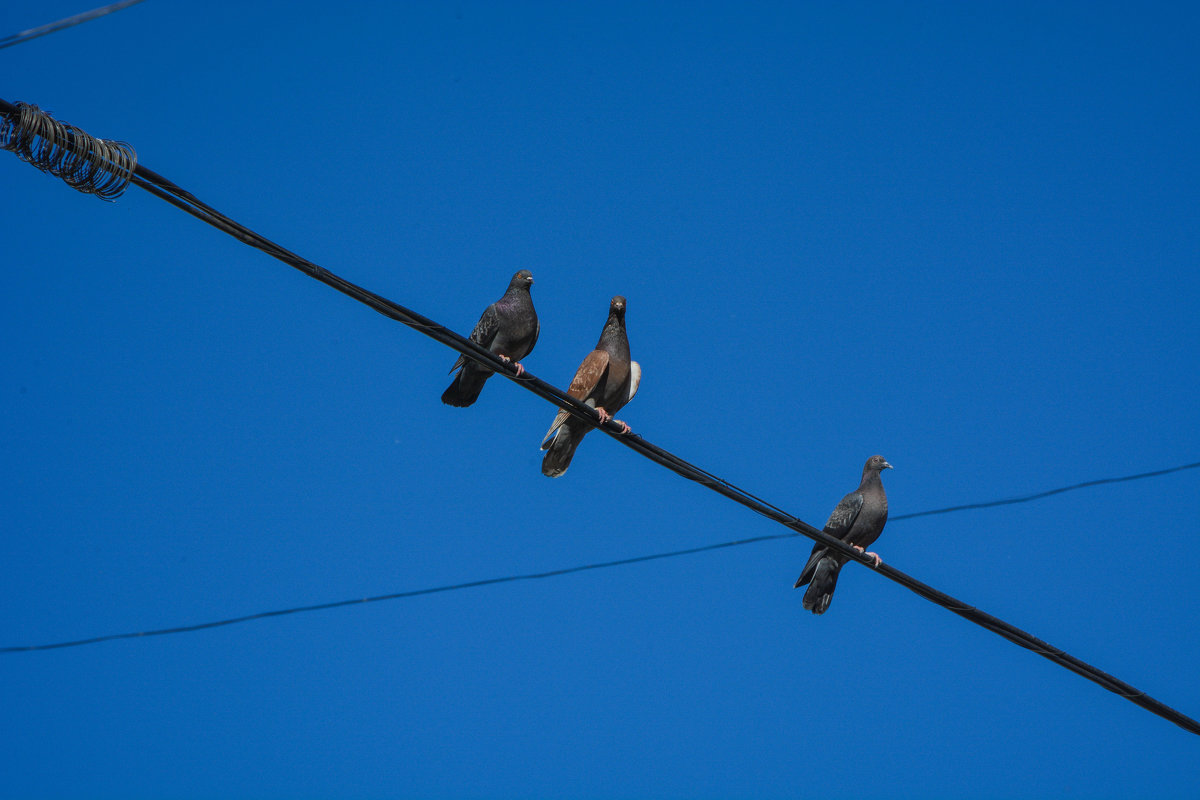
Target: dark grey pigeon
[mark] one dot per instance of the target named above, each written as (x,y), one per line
(858,520)
(606,380)
(508,328)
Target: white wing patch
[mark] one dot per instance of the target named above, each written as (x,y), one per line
(635,378)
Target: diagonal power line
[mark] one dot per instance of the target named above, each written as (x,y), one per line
(22,131)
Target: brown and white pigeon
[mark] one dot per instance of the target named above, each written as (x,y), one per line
(508,328)
(606,380)
(858,520)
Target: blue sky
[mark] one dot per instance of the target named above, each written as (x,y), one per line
(963,236)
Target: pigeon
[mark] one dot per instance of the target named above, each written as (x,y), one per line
(858,520)
(508,328)
(605,381)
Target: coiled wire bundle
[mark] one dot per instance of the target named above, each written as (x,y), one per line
(94,166)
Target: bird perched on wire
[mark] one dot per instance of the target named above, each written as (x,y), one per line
(508,328)
(606,380)
(858,520)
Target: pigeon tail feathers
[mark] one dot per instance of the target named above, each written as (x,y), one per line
(824,580)
(466,386)
(560,450)
(806,574)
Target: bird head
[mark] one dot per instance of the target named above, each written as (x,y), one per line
(877,464)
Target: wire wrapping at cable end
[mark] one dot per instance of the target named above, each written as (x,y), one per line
(93,166)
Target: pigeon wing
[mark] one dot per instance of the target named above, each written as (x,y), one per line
(587,378)
(537,330)
(839,524)
(842,519)
(484,332)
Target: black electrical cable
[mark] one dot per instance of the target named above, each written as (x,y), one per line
(161,187)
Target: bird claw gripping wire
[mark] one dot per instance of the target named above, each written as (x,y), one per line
(94,166)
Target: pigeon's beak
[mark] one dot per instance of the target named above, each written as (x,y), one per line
(886,465)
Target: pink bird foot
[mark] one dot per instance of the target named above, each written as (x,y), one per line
(604,415)
(624,428)
(875,556)
(514,364)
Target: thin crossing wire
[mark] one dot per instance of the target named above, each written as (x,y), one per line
(554,573)
(168,191)
(393,596)
(42,30)
(1050,493)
